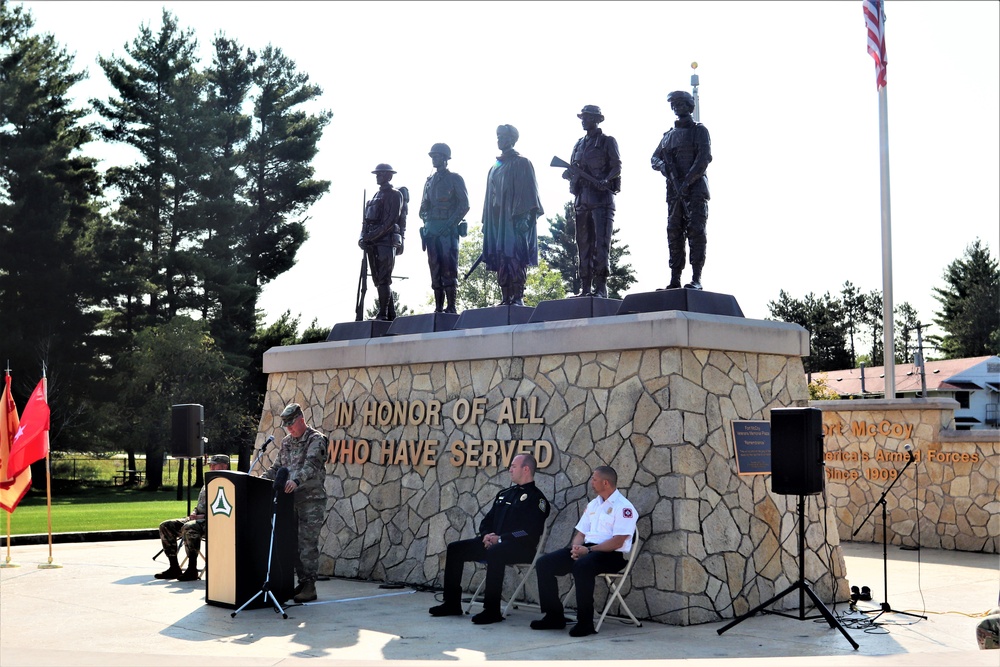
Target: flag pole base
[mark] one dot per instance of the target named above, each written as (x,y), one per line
(49,566)
(9,564)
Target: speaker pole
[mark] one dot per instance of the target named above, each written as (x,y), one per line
(801,586)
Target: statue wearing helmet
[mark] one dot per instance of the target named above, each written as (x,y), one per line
(444,203)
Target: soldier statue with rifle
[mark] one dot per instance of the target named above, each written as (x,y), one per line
(444,203)
(594,175)
(682,156)
(382,236)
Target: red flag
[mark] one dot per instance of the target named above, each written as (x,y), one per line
(12,488)
(875,20)
(31,443)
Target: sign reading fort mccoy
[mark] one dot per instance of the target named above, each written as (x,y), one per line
(472,453)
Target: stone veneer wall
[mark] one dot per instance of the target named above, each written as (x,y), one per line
(948,498)
(652,395)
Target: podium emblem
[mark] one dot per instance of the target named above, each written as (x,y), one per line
(221,504)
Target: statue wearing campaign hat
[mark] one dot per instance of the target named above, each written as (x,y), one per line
(444,203)
(594,178)
(382,236)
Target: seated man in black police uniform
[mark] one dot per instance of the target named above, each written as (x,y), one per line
(508,534)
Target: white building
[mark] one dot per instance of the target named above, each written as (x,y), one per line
(973,382)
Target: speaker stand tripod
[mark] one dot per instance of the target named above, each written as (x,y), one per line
(265,589)
(801,586)
(885,606)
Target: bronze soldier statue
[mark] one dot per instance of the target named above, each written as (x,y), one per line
(442,207)
(594,178)
(510,211)
(682,156)
(382,237)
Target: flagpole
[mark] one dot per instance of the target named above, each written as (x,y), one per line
(48,480)
(889,352)
(7,561)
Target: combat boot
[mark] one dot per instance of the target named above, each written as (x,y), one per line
(675,279)
(191,573)
(450,294)
(307,594)
(601,288)
(695,279)
(585,289)
(439,301)
(172,572)
(383,304)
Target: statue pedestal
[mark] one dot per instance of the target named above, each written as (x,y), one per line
(425,323)
(497,316)
(575,308)
(355,330)
(688,300)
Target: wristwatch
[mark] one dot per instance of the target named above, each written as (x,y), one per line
(499,540)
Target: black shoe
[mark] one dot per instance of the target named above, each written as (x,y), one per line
(446,609)
(188,575)
(581,630)
(486,617)
(171,573)
(548,622)
(694,284)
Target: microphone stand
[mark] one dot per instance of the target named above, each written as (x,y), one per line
(885,606)
(265,588)
(260,454)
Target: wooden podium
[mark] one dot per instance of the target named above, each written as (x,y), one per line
(240,508)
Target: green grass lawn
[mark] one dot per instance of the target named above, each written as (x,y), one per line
(97,508)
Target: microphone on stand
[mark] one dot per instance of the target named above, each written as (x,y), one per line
(909,452)
(280,479)
(267,442)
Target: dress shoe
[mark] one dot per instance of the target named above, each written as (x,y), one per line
(548,622)
(486,617)
(446,609)
(582,630)
(307,594)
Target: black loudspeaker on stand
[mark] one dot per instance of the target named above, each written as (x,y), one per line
(279,488)
(885,606)
(797,469)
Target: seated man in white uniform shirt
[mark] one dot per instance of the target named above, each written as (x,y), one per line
(602,539)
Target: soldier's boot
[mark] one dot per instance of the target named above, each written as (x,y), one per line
(439,301)
(450,294)
(695,278)
(383,304)
(601,287)
(517,294)
(191,573)
(675,279)
(585,287)
(307,594)
(390,309)
(504,295)
(172,572)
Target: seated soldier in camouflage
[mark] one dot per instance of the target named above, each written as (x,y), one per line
(191,529)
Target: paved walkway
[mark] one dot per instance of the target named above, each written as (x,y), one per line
(103,607)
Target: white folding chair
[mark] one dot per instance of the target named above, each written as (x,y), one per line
(527,568)
(616,581)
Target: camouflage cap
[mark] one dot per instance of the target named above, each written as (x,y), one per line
(291,412)
(220,459)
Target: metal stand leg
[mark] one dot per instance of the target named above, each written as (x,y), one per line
(265,589)
(801,586)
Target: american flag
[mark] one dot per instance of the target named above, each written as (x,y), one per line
(875,20)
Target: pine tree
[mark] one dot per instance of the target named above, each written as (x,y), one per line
(969,315)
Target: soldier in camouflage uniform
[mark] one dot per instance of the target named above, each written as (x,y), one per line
(190,529)
(444,204)
(304,452)
(682,156)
